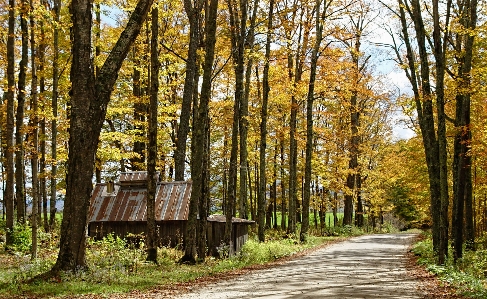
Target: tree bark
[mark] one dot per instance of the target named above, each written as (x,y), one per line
(9,184)
(193,11)
(462,187)
(319,18)
(19,123)
(89,102)
(55,93)
(35,137)
(152,176)
(424,105)
(261,198)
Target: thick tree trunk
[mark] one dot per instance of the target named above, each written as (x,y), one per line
(89,101)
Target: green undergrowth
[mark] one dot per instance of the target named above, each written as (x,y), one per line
(468,276)
(115,266)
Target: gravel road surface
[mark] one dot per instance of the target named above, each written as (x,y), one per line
(371,266)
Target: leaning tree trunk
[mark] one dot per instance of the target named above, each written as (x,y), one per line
(89,102)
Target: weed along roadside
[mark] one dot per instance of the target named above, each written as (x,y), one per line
(117,267)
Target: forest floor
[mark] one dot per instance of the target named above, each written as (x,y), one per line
(371,266)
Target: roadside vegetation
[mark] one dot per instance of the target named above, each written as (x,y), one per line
(468,275)
(116,266)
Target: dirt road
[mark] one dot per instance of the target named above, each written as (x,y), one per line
(364,267)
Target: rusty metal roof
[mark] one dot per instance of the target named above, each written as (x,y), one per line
(172,201)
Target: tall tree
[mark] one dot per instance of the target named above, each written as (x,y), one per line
(238,27)
(54,104)
(152,136)
(462,186)
(195,242)
(9,184)
(193,11)
(320,17)
(89,101)
(434,145)
(19,120)
(263,127)
(34,161)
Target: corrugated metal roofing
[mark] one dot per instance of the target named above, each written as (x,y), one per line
(172,201)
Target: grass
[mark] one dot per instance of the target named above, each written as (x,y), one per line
(468,275)
(117,267)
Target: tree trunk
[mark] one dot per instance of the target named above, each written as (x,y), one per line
(140,112)
(320,18)
(55,92)
(19,124)
(261,198)
(462,188)
(89,101)
(238,19)
(9,184)
(424,109)
(283,189)
(152,176)
(42,91)
(35,137)
(193,11)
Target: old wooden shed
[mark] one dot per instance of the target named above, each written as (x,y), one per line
(120,209)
